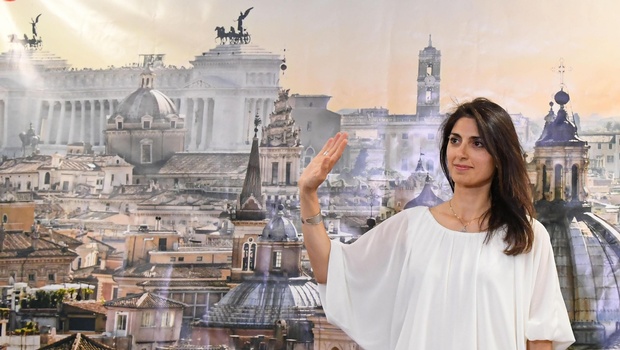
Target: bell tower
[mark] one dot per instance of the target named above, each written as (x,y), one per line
(561,158)
(429,68)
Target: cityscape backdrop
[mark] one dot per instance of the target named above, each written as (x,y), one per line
(363,53)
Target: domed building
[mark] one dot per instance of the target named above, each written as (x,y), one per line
(586,247)
(145,129)
(276,294)
(427,197)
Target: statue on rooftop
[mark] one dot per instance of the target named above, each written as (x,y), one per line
(30,142)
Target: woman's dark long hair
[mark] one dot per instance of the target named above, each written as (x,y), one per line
(511,199)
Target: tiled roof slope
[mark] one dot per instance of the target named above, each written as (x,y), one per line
(144,301)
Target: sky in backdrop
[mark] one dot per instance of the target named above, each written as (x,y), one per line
(363,53)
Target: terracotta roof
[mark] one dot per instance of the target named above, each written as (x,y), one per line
(24,165)
(144,301)
(206,163)
(19,245)
(77,341)
(77,165)
(88,305)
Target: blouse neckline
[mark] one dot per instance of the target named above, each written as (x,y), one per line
(436,223)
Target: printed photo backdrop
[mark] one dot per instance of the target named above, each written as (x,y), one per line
(70,69)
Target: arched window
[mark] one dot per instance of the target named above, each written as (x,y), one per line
(545,182)
(309,155)
(249,255)
(574,182)
(558,182)
(47,179)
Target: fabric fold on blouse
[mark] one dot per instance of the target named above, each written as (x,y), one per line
(411,283)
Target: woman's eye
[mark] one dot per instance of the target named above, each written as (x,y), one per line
(453,140)
(478,144)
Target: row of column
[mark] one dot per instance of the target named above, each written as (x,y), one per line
(199,115)
(62,122)
(65,122)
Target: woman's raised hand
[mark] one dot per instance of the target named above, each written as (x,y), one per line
(316,172)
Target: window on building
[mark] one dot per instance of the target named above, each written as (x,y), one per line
(19,185)
(181,258)
(146,153)
(148,319)
(121,322)
(277,259)
(599,146)
(429,69)
(112,179)
(173,124)
(611,146)
(28,185)
(173,259)
(32,277)
(47,179)
(429,95)
(274,173)
(289,166)
(162,244)
(610,159)
(51,277)
(119,125)
(146,124)
(405,136)
(167,319)
(126,178)
(65,185)
(199,258)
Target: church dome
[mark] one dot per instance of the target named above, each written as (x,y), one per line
(279,228)
(560,131)
(426,198)
(248,306)
(587,252)
(145,101)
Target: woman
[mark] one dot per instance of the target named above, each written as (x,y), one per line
(475,272)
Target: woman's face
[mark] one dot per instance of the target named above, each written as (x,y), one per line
(469,163)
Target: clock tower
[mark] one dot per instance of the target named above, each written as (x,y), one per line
(429,68)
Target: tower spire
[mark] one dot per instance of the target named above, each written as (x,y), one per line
(430,41)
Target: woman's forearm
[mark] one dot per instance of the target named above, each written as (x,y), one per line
(315,237)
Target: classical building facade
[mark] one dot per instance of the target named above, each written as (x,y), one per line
(218,95)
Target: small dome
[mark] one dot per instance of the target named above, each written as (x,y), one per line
(246,304)
(145,101)
(561,98)
(279,228)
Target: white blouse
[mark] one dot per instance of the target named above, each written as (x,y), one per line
(411,283)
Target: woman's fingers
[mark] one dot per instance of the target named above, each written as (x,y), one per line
(316,172)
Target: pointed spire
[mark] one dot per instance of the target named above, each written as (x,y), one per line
(420,167)
(430,41)
(251,201)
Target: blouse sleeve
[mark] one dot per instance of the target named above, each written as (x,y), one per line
(362,282)
(548,318)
